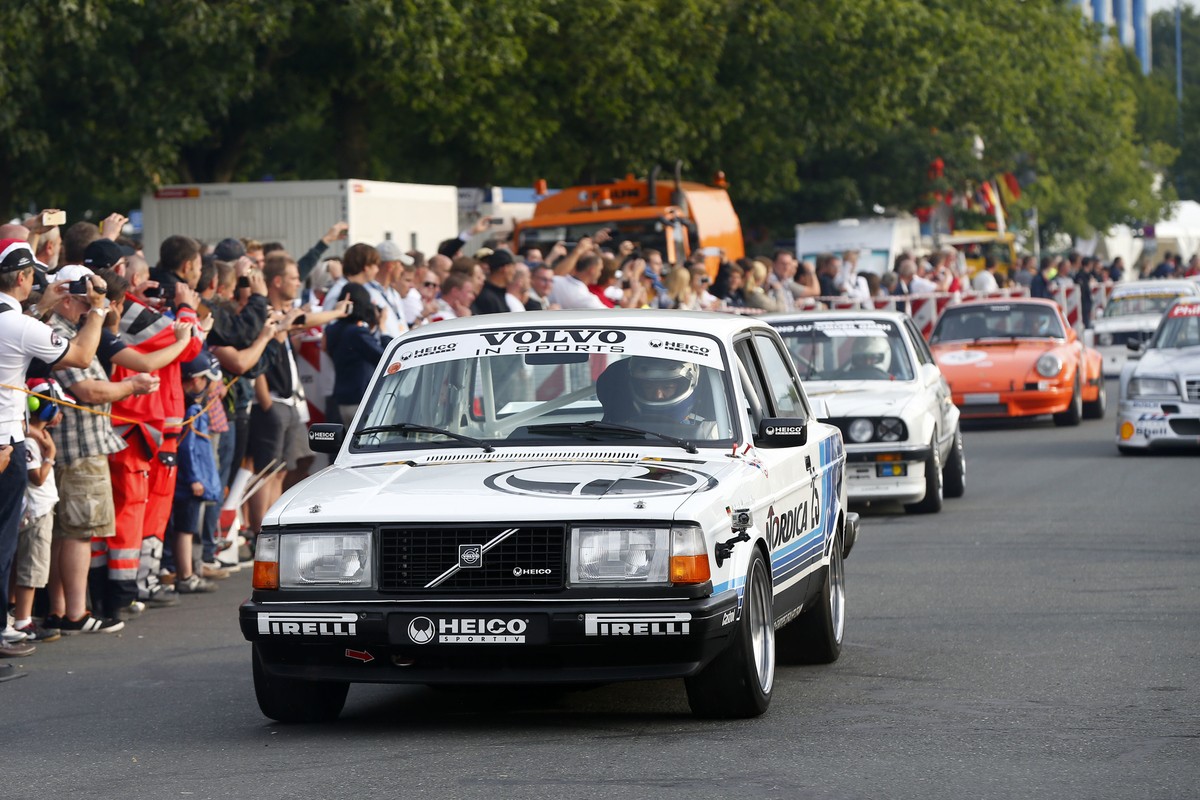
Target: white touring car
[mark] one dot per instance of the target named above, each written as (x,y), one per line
(1131,315)
(560,497)
(1160,387)
(882,389)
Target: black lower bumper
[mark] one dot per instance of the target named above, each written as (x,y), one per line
(489,643)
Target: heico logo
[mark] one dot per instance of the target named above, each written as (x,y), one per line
(282,623)
(431,350)
(637,624)
(470,556)
(519,571)
(475,630)
(680,347)
(795,522)
(322,436)
(785,430)
(555,341)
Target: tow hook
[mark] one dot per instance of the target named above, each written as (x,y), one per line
(740,519)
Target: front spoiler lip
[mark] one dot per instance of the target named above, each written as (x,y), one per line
(375,654)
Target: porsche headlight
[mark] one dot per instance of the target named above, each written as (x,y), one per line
(1153,387)
(620,556)
(1105,339)
(325,559)
(1049,365)
(861,430)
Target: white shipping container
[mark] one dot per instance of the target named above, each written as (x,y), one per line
(298,213)
(878,240)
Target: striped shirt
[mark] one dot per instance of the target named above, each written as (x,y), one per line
(82,434)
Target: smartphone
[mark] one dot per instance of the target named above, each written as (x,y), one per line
(242,283)
(51,218)
(79,286)
(494,221)
(153,291)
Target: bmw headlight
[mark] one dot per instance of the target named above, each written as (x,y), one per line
(620,556)
(889,430)
(325,559)
(1153,387)
(861,430)
(1049,365)
(1105,339)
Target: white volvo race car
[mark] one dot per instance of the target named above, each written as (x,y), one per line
(1133,312)
(883,390)
(560,497)
(1160,386)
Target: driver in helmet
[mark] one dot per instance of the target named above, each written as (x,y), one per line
(665,390)
(869,358)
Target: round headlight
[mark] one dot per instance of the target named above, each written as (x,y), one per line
(1049,365)
(861,430)
(1105,339)
(889,430)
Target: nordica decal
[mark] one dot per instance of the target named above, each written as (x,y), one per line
(553,341)
(637,624)
(474,630)
(795,522)
(282,623)
(599,480)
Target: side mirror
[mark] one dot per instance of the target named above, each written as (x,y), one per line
(782,432)
(326,437)
(1135,345)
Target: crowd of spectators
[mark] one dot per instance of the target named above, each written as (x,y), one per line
(132,396)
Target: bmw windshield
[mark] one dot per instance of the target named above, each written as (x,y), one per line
(847,349)
(548,385)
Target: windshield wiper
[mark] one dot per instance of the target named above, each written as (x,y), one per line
(412,427)
(553,428)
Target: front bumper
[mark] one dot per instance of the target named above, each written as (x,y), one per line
(490,642)
(1158,425)
(1027,402)
(876,472)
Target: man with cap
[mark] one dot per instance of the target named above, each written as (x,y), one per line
(490,300)
(229,250)
(391,260)
(23,339)
(105,254)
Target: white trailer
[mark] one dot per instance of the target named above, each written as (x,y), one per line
(297,213)
(878,240)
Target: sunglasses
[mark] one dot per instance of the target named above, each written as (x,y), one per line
(431,285)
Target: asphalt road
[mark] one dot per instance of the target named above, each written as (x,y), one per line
(1038,638)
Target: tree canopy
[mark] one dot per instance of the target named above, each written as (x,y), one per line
(814,109)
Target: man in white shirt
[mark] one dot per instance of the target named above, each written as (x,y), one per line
(985,280)
(571,290)
(23,339)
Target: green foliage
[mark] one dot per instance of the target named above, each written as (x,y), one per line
(814,109)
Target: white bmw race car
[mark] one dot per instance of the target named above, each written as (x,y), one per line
(882,388)
(1160,386)
(560,497)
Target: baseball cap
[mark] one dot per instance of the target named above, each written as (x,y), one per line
(71,272)
(229,250)
(498,260)
(390,251)
(50,388)
(104,254)
(204,364)
(16,255)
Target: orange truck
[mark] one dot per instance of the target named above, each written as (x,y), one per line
(674,218)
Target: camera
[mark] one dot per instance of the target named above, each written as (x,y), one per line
(740,519)
(79,286)
(243,282)
(152,291)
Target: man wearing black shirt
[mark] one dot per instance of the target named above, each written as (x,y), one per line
(491,297)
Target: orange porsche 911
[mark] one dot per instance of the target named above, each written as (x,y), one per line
(1018,358)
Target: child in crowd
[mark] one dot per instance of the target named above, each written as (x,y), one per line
(32,564)
(198,482)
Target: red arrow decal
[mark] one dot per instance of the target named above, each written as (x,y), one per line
(360,655)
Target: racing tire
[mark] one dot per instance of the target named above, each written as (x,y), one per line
(1095,409)
(954,476)
(931,503)
(737,684)
(815,637)
(295,700)
(1074,412)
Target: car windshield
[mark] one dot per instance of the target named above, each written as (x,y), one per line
(1141,303)
(549,385)
(847,349)
(1180,328)
(972,323)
